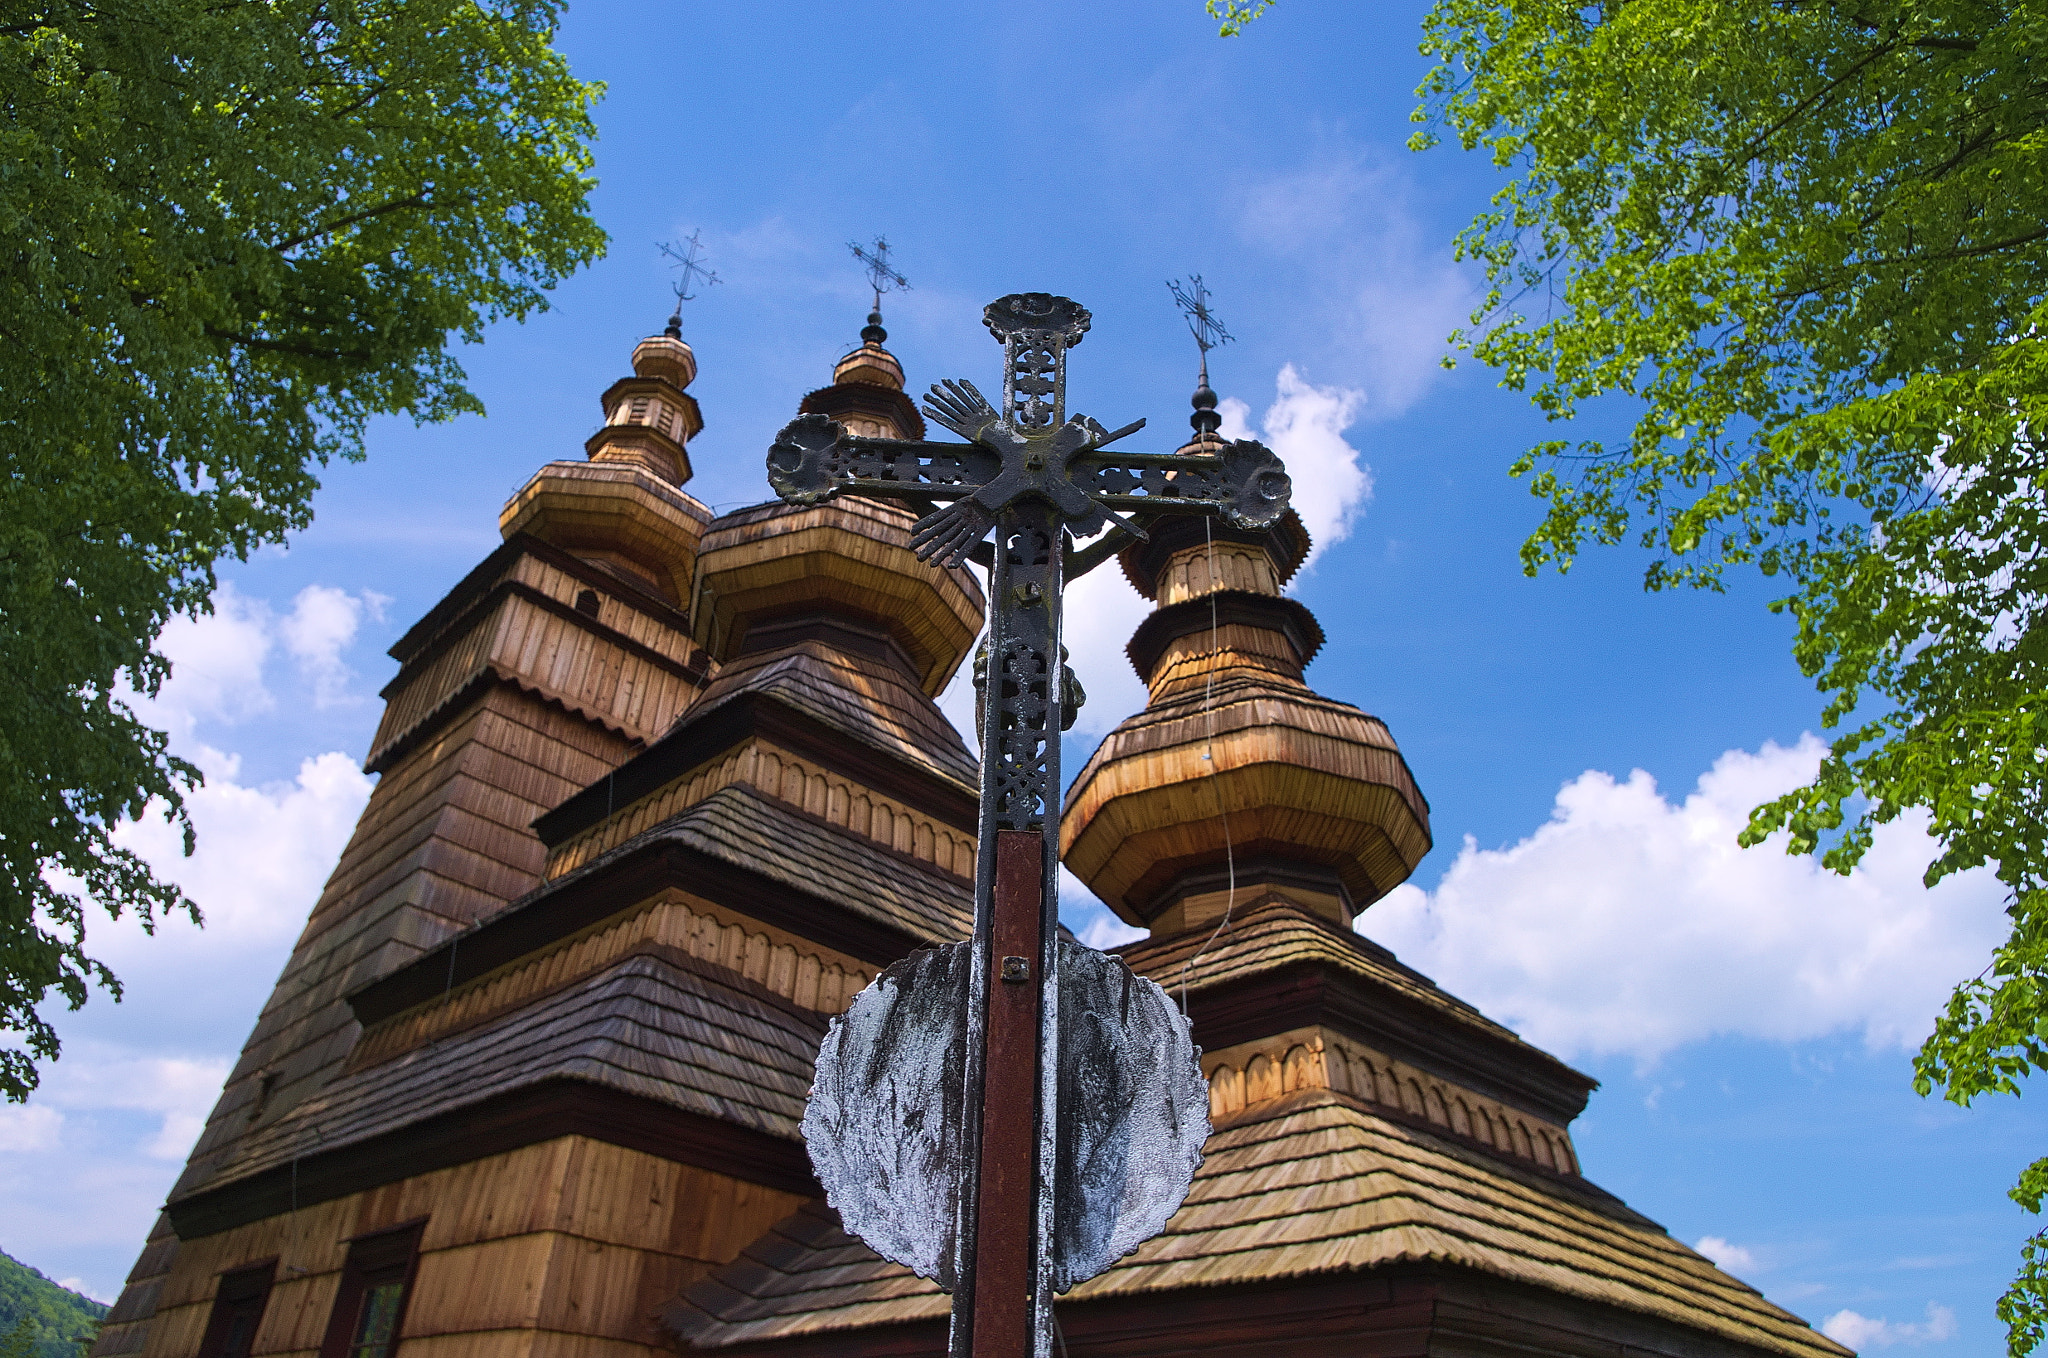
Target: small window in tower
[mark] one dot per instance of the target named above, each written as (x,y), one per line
(587,602)
(637,412)
(664,418)
(237,1311)
(376,1281)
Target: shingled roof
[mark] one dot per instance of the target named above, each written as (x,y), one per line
(1309,1185)
(1277,932)
(661,1027)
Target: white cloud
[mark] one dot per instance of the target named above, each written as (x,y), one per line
(219,660)
(175,1093)
(1630,924)
(1729,1258)
(1379,283)
(1861,1332)
(1101,929)
(321,625)
(1102,610)
(1106,931)
(90,1157)
(79,1285)
(1305,425)
(262,855)
(217,664)
(32,1128)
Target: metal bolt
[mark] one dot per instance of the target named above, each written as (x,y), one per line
(1016,970)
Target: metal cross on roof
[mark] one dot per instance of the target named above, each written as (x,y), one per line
(875,260)
(1011,1115)
(1202,323)
(690,270)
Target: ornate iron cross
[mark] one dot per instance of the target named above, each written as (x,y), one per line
(1027,1217)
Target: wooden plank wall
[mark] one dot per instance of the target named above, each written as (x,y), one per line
(567,1248)
(1252,1073)
(777,773)
(443,843)
(794,967)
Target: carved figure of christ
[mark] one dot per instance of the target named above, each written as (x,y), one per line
(1038,479)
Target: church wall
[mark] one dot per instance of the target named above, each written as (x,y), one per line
(567,1247)
(620,666)
(443,843)
(1252,1073)
(794,967)
(777,773)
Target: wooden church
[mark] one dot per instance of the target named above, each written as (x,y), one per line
(660,791)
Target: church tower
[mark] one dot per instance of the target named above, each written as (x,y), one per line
(660,792)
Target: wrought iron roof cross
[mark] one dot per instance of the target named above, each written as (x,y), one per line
(1202,323)
(690,266)
(1011,1115)
(875,260)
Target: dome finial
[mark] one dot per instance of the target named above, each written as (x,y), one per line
(875,259)
(690,264)
(1193,301)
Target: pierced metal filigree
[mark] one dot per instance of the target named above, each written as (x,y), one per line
(1039,480)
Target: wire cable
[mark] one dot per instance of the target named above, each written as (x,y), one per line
(1209,756)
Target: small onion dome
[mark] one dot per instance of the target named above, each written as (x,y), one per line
(668,357)
(648,418)
(1180,547)
(1237,774)
(866,394)
(766,572)
(616,514)
(1308,799)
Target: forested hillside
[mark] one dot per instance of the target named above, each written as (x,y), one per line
(55,1317)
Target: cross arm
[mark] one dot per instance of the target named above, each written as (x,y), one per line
(1243,481)
(814,459)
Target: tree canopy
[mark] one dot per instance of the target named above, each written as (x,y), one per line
(1807,242)
(231,231)
(38,1318)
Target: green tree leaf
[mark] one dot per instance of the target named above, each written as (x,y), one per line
(1807,241)
(231,232)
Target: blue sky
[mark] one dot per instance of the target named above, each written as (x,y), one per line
(1588,750)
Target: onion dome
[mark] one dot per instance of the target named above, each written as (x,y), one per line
(778,573)
(623,509)
(866,394)
(1236,769)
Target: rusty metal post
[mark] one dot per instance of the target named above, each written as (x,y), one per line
(1003,1306)
(965,1187)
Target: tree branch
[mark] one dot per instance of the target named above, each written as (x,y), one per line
(328,229)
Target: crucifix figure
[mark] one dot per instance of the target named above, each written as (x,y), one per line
(1011,1115)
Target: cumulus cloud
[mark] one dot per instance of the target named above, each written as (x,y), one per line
(1305,425)
(88,1159)
(1381,285)
(31,1128)
(1729,1258)
(1861,1332)
(217,662)
(1632,924)
(220,660)
(262,853)
(321,625)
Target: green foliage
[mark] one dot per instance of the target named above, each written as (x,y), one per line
(1234,14)
(1806,241)
(231,231)
(39,1319)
